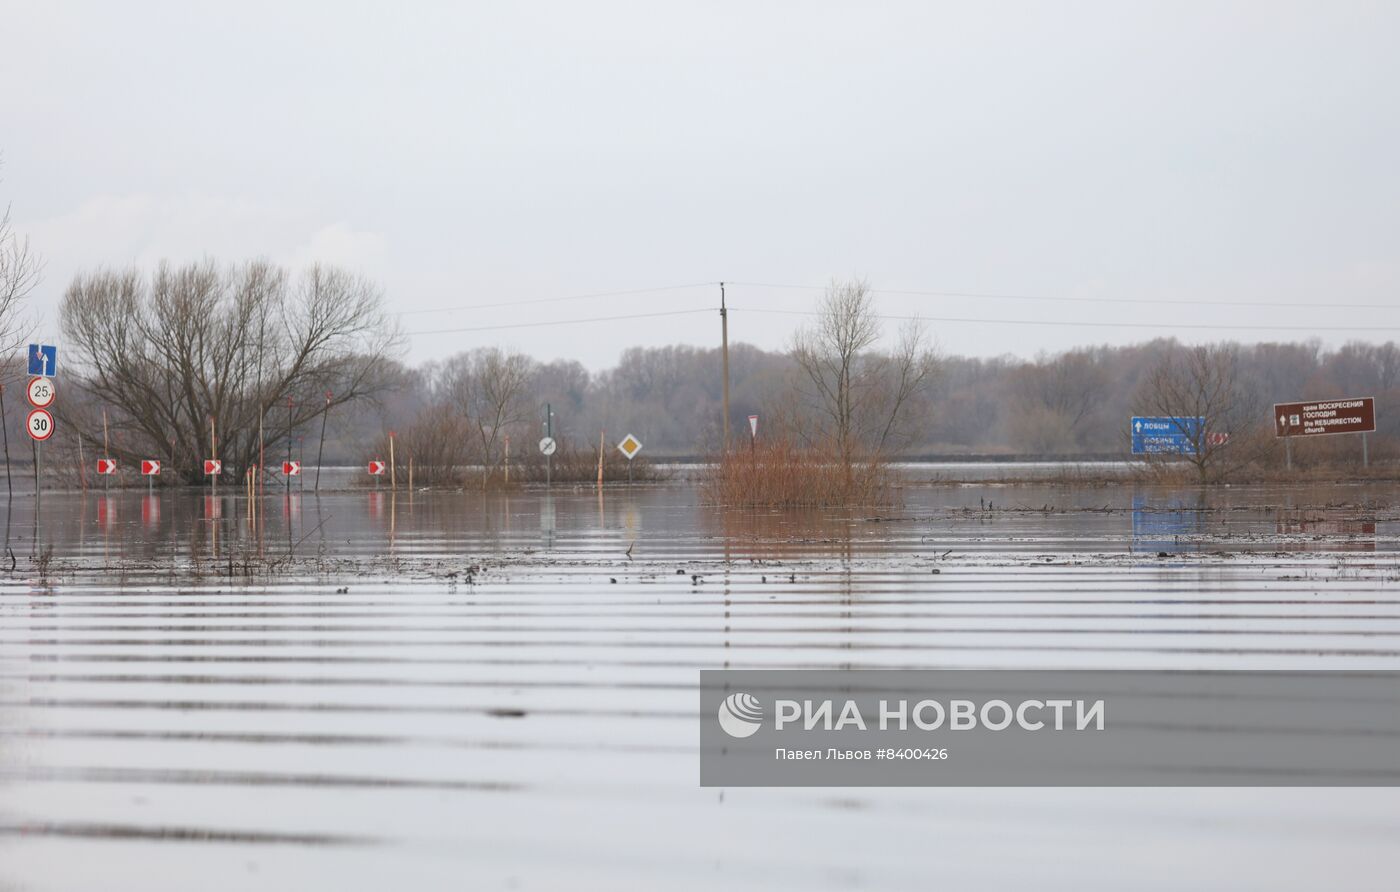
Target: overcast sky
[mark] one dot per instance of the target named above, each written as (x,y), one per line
(1175,154)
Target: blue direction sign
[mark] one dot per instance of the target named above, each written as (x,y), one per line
(1166,435)
(43,360)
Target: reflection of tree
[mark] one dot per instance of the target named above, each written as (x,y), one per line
(784,535)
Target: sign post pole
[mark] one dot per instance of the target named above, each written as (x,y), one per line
(1288,454)
(1365,453)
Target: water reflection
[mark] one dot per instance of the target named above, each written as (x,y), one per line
(1172,523)
(175,527)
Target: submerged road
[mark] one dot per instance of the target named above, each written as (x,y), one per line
(469,691)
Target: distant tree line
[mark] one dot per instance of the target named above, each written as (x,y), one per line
(270,355)
(1071,404)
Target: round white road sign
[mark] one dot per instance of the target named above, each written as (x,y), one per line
(547,446)
(39,424)
(41,392)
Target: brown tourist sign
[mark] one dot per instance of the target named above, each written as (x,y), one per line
(1346,416)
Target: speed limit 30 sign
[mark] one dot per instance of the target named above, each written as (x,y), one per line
(39,423)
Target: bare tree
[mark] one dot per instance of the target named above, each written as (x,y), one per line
(245,347)
(1202,389)
(862,398)
(492,388)
(1053,399)
(19,273)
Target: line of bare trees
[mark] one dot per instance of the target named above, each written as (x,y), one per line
(203,360)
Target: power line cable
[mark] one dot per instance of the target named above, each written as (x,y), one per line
(1070,323)
(549,300)
(1107,300)
(566,321)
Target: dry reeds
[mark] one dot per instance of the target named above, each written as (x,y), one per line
(781,474)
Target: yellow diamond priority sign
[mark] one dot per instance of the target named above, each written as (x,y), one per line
(630,446)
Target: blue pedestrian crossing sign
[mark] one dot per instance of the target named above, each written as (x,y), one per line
(1167,435)
(43,360)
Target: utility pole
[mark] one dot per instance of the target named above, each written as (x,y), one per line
(724,350)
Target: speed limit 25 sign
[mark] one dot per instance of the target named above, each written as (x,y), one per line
(39,423)
(40,392)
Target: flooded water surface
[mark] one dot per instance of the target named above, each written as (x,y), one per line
(368,690)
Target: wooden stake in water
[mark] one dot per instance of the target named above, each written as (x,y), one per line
(106,449)
(214,454)
(261,484)
(321,449)
(289,444)
(5,424)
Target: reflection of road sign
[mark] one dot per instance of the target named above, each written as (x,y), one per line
(548,446)
(291,468)
(1166,435)
(106,466)
(43,360)
(1348,416)
(630,446)
(150,511)
(149,468)
(376,467)
(39,424)
(1167,523)
(753,426)
(41,393)
(213,466)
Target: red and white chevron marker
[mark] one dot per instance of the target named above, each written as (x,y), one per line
(291,468)
(376,468)
(106,466)
(149,468)
(213,466)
